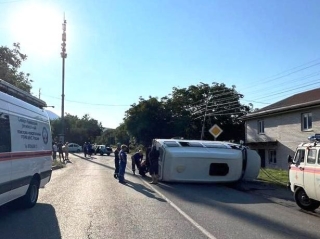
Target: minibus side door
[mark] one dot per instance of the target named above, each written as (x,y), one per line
(309,171)
(317,177)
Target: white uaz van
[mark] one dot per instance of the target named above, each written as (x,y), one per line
(304,174)
(25,146)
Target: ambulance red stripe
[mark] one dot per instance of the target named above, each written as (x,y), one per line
(24,155)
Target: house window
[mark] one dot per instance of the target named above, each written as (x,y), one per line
(260,127)
(306,121)
(272,156)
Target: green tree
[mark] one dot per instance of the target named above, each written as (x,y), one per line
(77,130)
(147,120)
(121,135)
(10,62)
(182,113)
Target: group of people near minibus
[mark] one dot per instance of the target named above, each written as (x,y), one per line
(150,164)
(62,150)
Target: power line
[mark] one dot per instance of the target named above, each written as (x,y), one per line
(85,103)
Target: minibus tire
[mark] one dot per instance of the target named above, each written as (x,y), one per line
(31,197)
(303,201)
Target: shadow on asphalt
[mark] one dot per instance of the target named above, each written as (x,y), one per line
(37,222)
(144,190)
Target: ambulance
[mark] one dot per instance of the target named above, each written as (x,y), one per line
(25,146)
(304,174)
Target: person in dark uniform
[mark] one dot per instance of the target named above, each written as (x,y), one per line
(147,158)
(60,151)
(136,160)
(116,161)
(153,157)
(85,149)
(122,163)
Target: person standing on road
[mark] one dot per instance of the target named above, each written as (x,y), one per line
(89,149)
(85,149)
(66,151)
(122,163)
(116,161)
(153,157)
(54,151)
(136,160)
(147,158)
(60,150)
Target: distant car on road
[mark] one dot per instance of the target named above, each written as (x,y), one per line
(74,148)
(102,149)
(99,149)
(108,150)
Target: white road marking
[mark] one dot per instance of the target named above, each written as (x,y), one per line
(186,216)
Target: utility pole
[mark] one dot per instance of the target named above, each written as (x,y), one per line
(63,56)
(204,117)
(39,92)
(205,112)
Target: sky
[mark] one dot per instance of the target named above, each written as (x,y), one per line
(121,50)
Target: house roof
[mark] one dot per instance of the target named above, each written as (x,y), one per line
(298,101)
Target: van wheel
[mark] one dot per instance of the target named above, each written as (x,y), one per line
(78,150)
(31,197)
(303,201)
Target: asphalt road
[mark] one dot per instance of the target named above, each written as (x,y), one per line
(83,200)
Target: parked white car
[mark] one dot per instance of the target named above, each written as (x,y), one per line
(74,148)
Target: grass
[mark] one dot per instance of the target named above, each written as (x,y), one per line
(277,176)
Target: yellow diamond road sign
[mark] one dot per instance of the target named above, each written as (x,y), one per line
(215,131)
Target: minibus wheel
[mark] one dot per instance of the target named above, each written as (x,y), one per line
(303,201)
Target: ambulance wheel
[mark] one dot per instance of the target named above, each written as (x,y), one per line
(303,201)
(31,197)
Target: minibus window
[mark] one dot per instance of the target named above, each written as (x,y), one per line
(218,169)
(213,145)
(5,137)
(171,144)
(311,156)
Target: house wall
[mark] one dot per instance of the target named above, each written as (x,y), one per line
(284,128)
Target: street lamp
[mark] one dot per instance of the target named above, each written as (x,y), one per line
(205,112)
(63,56)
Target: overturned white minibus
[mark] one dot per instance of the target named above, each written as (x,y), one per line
(206,161)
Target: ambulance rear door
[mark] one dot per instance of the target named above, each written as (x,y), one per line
(5,154)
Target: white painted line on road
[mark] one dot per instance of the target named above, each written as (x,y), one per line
(186,216)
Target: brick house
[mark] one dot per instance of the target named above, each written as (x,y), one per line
(276,130)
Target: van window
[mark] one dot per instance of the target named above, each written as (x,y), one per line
(214,145)
(299,157)
(171,144)
(312,156)
(190,144)
(5,137)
